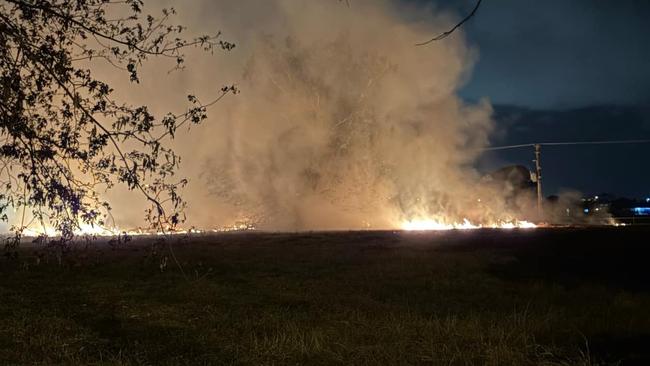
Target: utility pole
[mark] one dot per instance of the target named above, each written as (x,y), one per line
(538,172)
(538,165)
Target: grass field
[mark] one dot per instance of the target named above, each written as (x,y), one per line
(483,297)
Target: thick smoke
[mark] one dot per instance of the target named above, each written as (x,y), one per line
(341,123)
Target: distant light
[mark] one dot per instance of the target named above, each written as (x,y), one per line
(586,210)
(641,211)
(647,199)
(596,197)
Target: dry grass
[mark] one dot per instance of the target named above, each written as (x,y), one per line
(288,300)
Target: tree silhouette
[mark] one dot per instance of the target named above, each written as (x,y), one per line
(63,135)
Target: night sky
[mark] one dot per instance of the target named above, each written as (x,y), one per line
(560,70)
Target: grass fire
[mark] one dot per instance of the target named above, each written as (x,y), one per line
(359,182)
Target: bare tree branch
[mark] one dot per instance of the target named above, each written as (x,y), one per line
(447,33)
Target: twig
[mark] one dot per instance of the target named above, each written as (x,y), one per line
(447,33)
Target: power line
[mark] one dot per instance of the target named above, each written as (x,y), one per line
(607,142)
(597,142)
(506,147)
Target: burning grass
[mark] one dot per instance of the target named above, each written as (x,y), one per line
(483,297)
(432,225)
(421,224)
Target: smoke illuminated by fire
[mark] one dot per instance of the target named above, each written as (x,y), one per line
(341,123)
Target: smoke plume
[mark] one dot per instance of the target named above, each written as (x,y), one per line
(341,122)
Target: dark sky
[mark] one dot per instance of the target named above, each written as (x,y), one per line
(560,53)
(565,70)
